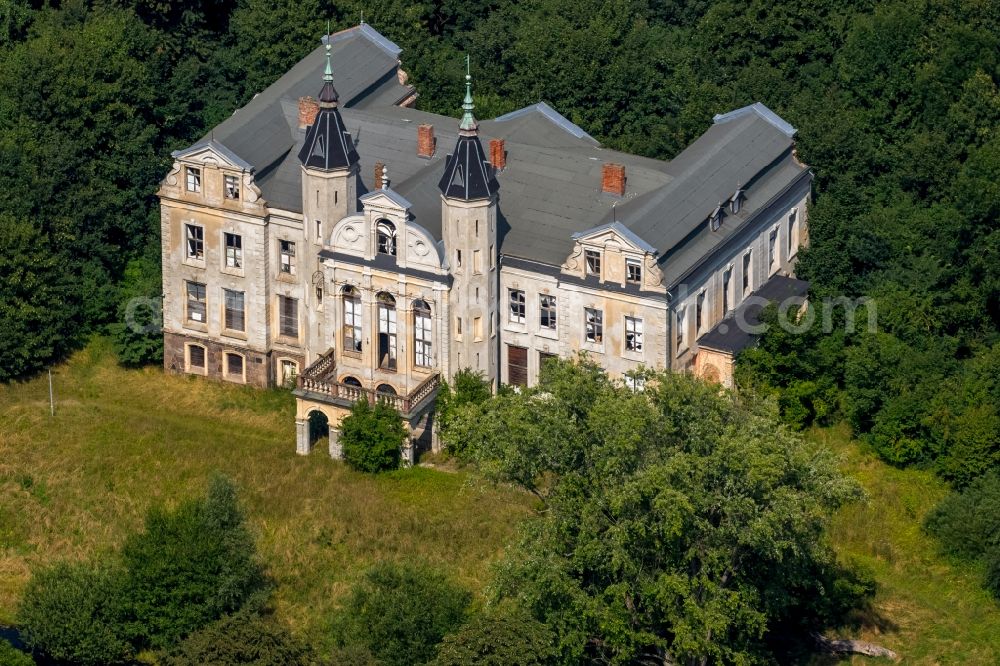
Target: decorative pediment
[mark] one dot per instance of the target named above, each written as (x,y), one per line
(614,234)
(386,199)
(214,153)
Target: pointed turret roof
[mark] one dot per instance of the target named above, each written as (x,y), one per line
(328,144)
(467,173)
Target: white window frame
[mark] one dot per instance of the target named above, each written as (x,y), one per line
(234,251)
(231,187)
(593,326)
(548,310)
(633,334)
(516,306)
(423,327)
(353,321)
(192,179)
(637,265)
(588,256)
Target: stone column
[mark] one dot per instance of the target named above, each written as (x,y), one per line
(336,448)
(302,443)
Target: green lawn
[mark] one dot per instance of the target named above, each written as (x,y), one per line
(927,609)
(72,486)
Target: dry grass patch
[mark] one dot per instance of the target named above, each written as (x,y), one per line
(74,485)
(927,609)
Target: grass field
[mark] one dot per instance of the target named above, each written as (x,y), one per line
(71,486)
(928,610)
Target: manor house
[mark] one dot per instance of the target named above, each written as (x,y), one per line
(329,236)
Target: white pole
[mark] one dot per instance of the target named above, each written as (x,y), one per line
(52,404)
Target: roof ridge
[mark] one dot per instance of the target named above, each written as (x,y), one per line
(551,114)
(365,30)
(761,110)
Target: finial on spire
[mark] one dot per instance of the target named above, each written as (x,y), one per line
(385,176)
(468,120)
(328,72)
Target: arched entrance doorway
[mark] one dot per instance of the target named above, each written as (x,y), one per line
(319,427)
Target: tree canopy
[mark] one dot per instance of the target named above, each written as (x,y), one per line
(676,521)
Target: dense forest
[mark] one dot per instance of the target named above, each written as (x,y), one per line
(896,103)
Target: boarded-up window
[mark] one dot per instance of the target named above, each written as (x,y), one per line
(517,365)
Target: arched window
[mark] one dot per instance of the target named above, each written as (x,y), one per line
(385,389)
(351,381)
(385,235)
(352,319)
(422,334)
(197,359)
(386,331)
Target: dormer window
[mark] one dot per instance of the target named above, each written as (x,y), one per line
(736,202)
(193,179)
(385,234)
(231,187)
(593,261)
(633,271)
(715,219)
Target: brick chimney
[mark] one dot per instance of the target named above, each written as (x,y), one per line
(308,110)
(378,175)
(498,156)
(613,178)
(425,140)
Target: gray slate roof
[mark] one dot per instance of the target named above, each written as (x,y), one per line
(551,186)
(731,334)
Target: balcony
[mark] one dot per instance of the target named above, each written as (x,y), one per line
(318,382)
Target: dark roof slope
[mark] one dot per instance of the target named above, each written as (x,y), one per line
(328,145)
(467,173)
(550,187)
(737,331)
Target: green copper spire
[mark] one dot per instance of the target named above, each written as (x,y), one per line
(468,120)
(328,72)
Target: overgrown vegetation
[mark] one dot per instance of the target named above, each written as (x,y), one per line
(185,570)
(372,436)
(678,524)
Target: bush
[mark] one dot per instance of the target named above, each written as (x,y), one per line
(507,636)
(372,436)
(467,388)
(190,567)
(11,656)
(400,613)
(243,638)
(72,613)
(967,525)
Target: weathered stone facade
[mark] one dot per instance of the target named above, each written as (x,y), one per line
(287,242)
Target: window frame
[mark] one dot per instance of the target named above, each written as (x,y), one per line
(285,318)
(390,246)
(773,250)
(520,305)
(227,373)
(234,251)
(388,325)
(201,306)
(747,274)
(793,232)
(352,314)
(592,261)
(189,367)
(423,334)
(634,326)
(548,311)
(194,242)
(629,265)
(680,335)
(286,250)
(231,187)
(226,294)
(593,331)
(700,305)
(192,179)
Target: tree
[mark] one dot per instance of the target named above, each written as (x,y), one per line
(138,333)
(74,613)
(470,388)
(39,305)
(241,638)
(400,612)
(372,436)
(189,567)
(677,522)
(11,656)
(502,636)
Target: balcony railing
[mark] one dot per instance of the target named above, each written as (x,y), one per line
(319,379)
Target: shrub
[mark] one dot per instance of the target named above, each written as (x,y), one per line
(372,436)
(11,656)
(189,567)
(506,636)
(72,613)
(467,388)
(401,612)
(243,638)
